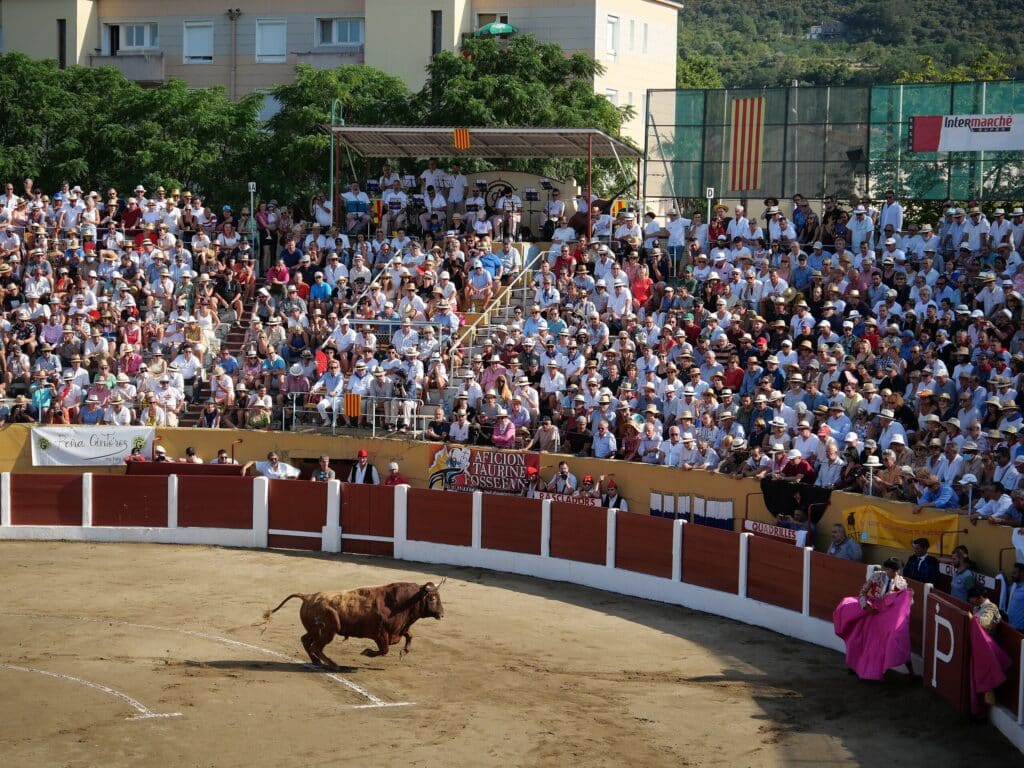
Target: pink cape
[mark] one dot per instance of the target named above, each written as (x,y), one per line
(875,642)
(989,663)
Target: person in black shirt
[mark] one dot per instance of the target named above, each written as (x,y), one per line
(921,566)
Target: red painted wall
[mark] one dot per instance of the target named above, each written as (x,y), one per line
(579,533)
(511,523)
(442,517)
(215,502)
(775,573)
(46,499)
(135,500)
(643,543)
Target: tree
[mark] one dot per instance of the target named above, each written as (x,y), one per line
(94,126)
(697,71)
(521,82)
(294,162)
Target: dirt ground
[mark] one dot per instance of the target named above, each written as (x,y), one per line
(519,673)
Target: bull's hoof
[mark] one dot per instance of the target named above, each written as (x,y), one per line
(370,652)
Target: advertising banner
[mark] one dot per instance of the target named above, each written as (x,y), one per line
(874,525)
(777,532)
(466,468)
(966,133)
(72,446)
(582,501)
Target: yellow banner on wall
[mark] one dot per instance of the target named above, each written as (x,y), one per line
(873,525)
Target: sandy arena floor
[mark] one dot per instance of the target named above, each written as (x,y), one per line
(520,672)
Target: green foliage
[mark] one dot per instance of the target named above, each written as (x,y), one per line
(755,44)
(522,82)
(93,125)
(697,71)
(295,161)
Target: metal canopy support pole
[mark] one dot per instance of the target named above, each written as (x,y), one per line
(641,204)
(590,185)
(335,169)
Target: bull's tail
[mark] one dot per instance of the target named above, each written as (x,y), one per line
(269,613)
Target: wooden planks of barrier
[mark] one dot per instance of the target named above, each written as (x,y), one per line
(441,517)
(579,533)
(511,524)
(832,579)
(46,499)
(367,510)
(775,573)
(709,555)
(296,505)
(215,502)
(643,543)
(131,500)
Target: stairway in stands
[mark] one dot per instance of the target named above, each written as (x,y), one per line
(233,341)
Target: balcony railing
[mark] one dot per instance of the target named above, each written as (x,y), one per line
(139,67)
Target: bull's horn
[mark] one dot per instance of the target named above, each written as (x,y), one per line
(443,580)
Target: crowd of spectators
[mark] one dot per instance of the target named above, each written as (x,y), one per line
(846,347)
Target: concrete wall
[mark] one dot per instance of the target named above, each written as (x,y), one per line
(31,28)
(398,35)
(633,69)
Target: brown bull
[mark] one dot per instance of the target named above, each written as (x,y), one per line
(382,614)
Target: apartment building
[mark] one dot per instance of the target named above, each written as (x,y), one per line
(257,43)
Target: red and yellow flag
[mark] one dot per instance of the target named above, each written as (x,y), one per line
(353,405)
(747,144)
(460,138)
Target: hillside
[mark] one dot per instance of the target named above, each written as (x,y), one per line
(763,43)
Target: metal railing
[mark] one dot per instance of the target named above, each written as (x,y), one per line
(469,333)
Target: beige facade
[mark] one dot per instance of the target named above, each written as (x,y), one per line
(151,40)
(50,29)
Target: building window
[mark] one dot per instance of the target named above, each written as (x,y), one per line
(436,32)
(62,43)
(270,107)
(611,42)
(271,41)
(483,19)
(612,94)
(139,36)
(644,44)
(340,31)
(197,42)
(632,34)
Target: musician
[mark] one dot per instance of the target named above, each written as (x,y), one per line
(455,184)
(561,233)
(395,202)
(387,178)
(507,215)
(476,206)
(357,208)
(435,210)
(432,176)
(554,210)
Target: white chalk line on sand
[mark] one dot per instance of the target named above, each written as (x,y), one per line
(375,701)
(145,713)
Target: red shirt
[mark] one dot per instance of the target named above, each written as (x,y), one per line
(395,480)
(800,469)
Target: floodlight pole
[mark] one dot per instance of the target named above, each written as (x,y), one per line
(590,185)
(337,118)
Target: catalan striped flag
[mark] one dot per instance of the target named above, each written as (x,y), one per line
(747,144)
(460,137)
(353,405)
